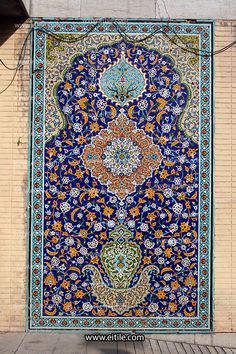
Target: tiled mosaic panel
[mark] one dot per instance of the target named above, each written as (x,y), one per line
(121,175)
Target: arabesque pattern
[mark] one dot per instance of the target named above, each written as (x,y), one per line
(121,234)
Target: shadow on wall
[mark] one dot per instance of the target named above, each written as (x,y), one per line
(12,15)
(8,26)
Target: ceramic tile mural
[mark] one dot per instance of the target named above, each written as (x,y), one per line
(121,176)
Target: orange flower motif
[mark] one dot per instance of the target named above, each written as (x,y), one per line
(73,252)
(153,88)
(189,178)
(79,294)
(80,140)
(151,216)
(53,177)
(95,260)
(146,260)
(94,127)
(168,252)
(101,312)
(108,211)
(150,193)
(161,294)
(175,284)
(80,67)
(52,151)
(50,280)
(67,306)
(54,239)
(79,173)
(103,235)
(187,204)
(65,284)
(57,226)
(134,211)
(83,102)
(191,152)
(61,195)
(190,281)
(149,127)
(162,140)
(91,87)
(164,174)
(186,241)
(93,192)
(184,227)
(181,196)
(67,86)
(158,233)
(138,235)
(83,233)
(139,312)
(91,216)
(173,307)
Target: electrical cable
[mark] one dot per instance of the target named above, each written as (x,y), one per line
(124,35)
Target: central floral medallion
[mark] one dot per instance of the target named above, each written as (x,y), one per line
(122,156)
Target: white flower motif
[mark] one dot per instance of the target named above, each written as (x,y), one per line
(65,180)
(110,223)
(68,227)
(98,226)
(144,227)
(67,109)
(83,251)
(177,208)
(142,105)
(79,92)
(65,207)
(121,214)
(80,260)
(56,299)
(158,251)
(152,72)
(165,93)
(102,105)
(167,276)
(69,241)
(77,127)
(74,192)
(73,276)
(93,243)
(55,261)
(153,307)
(173,228)
(172,242)
(87,306)
(168,193)
(166,128)
(131,224)
(148,244)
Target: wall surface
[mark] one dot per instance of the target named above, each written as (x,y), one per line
(194,9)
(13,185)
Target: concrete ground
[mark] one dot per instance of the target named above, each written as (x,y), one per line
(72,343)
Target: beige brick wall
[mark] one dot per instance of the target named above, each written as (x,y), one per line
(13,181)
(225,180)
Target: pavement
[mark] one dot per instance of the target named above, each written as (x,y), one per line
(74,343)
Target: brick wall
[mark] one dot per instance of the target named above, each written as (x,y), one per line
(13,183)
(225,180)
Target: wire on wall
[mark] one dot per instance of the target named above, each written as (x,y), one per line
(164,29)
